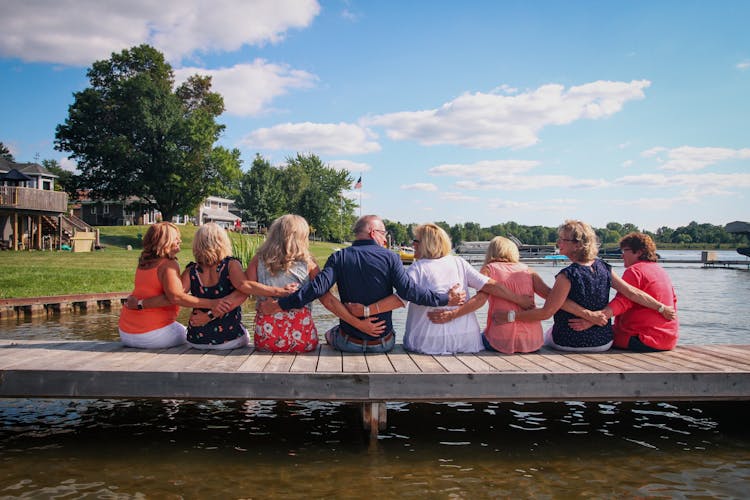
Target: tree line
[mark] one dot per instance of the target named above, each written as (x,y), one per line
(693,233)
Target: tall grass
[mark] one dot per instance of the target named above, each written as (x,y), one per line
(244,246)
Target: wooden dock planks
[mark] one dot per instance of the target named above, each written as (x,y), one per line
(93,369)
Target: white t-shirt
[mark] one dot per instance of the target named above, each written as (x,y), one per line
(460,335)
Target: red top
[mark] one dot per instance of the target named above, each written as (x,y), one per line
(147,285)
(647,324)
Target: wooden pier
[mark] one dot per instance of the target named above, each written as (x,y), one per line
(54,304)
(93,369)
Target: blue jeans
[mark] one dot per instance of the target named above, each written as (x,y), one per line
(343,342)
(487,344)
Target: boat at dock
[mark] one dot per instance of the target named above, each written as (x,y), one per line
(740,227)
(525,251)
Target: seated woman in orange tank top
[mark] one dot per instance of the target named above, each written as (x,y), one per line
(157,276)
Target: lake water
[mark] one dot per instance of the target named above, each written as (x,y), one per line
(265,449)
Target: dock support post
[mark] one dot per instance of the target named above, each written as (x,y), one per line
(374,417)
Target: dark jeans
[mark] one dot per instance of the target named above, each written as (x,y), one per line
(635,344)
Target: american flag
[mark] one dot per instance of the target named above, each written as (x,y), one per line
(358,185)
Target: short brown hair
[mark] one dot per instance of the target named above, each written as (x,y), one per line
(640,242)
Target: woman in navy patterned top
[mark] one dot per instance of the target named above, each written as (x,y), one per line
(586,282)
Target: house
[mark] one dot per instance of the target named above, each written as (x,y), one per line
(130,212)
(31,211)
(134,211)
(219,210)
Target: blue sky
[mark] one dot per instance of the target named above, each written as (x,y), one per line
(477,111)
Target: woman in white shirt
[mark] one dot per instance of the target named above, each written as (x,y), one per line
(435,268)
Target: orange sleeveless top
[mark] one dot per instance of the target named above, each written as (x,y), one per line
(147,285)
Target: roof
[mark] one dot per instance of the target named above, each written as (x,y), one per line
(31,169)
(15,175)
(218,214)
(738,227)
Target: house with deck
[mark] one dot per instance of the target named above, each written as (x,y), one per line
(32,214)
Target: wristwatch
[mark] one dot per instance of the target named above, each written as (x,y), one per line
(210,315)
(511,316)
(661,308)
(140,304)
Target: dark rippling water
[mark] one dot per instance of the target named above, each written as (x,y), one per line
(263,449)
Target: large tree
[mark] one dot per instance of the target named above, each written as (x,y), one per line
(262,197)
(304,186)
(133,134)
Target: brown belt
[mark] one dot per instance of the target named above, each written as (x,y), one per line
(358,341)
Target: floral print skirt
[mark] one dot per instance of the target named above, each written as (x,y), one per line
(289,331)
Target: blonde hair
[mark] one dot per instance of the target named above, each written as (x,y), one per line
(434,242)
(584,235)
(501,249)
(286,243)
(159,240)
(211,244)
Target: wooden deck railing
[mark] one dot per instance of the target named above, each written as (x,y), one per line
(21,198)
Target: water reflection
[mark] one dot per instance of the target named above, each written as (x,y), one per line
(313,450)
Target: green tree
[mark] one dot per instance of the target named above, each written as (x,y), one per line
(66,180)
(398,232)
(5,153)
(316,193)
(262,196)
(133,135)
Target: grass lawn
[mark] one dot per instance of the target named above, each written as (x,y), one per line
(38,273)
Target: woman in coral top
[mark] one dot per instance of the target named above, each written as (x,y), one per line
(158,275)
(638,328)
(501,263)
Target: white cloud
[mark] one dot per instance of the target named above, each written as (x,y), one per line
(420,186)
(552,205)
(248,88)
(531,182)
(484,168)
(627,163)
(350,166)
(743,65)
(452,196)
(78,32)
(701,182)
(508,175)
(487,121)
(688,158)
(331,138)
(68,164)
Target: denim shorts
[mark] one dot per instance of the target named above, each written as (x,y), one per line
(343,342)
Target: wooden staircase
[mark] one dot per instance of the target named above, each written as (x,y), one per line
(66,226)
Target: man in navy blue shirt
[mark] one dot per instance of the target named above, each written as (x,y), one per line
(365,272)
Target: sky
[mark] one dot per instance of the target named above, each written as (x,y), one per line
(484,111)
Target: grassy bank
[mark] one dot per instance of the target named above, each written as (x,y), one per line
(38,273)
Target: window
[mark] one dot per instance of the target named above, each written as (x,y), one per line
(105,210)
(93,209)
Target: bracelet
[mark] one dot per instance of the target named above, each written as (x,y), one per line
(661,308)
(511,316)
(367,311)
(210,315)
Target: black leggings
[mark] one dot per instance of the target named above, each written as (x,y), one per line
(635,344)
